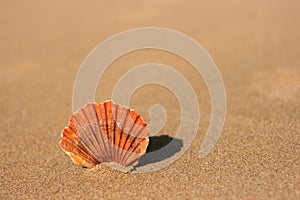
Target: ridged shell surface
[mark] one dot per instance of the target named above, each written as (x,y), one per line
(105,132)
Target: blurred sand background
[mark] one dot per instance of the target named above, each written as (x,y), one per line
(256,46)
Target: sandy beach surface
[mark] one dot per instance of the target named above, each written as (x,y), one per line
(256,46)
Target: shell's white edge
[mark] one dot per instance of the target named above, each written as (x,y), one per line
(69,154)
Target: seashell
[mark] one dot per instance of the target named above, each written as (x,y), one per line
(105,132)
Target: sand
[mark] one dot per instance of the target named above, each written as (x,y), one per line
(256,47)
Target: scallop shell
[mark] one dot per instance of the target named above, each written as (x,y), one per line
(105,132)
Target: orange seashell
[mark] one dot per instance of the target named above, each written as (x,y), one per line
(105,132)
